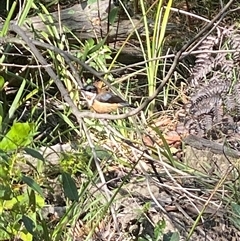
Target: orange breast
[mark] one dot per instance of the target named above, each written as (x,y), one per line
(101,107)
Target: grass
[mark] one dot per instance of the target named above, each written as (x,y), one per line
(119,178)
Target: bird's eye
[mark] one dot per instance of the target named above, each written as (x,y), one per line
(91,88)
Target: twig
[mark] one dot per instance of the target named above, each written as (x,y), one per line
(67,98)
(84,114)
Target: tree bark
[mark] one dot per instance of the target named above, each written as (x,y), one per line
(91,21)
(87,21)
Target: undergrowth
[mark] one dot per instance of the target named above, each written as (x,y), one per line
(65,176)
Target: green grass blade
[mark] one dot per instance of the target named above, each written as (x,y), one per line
(7,21)
(17,99)
(165,21)
(27,7)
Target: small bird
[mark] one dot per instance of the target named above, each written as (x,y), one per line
(102,101)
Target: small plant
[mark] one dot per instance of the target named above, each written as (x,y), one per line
(77,163)
(235,217)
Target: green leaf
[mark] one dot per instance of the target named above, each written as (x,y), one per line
(34,153)
(71,12)
(159,229)
(90,43)
(5,192)
(91,1)
(1,116)
(113,15)
(40,201)
(45,229)
(166,151)
(19,135)
(4,158)
(5,27)
(2,82)
(32,201)
(236,215)
(32,184)
(4,234)
(25,11)
(236,209)
(23,235)
(29,224)
(170,236)
(97,46)
(16,100)
(69,187)
(102,153)
(15,202)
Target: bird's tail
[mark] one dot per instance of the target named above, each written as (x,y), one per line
(126,104)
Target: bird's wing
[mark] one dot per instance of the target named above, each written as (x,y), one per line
(108,97)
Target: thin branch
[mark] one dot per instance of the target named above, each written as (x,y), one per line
(76,112)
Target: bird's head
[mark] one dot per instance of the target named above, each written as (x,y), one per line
(89,92)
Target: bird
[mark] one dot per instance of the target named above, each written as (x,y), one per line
(103,101)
